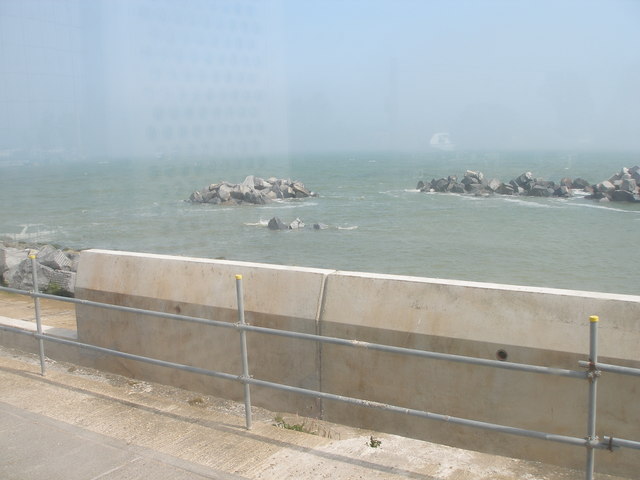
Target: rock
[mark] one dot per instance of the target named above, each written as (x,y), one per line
(545,183)
(468,180)
(239,191)
(505,189)
(61,282)
(623,196)
(261,184)
(10,258)
(619,175)
(209,196)
(420,185)
(224,193)
(563,191)
(494,184)
(296,224)
(300,190)
(21,276)
(566,182)
(249,182)
(525,180)
(540,191)
(196,197)
(596,196)
(54,258)
(580,183)
(605,187)
(276,224)
(289,192)
(256,197)
(320,226)
(440,185)
(474,188)
(629,185)
(476,177)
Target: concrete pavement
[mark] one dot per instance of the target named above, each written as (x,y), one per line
(78,423)
(35,446)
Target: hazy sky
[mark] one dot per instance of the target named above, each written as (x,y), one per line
(494,74)
(194,77)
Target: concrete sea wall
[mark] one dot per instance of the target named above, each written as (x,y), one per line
(527,325)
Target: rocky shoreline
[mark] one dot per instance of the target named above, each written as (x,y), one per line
(253,190)
(620,187)
(55,268)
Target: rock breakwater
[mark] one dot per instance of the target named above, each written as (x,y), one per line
(55,268)
(621,186)
(254,190)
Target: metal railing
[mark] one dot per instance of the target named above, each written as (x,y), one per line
(593,369)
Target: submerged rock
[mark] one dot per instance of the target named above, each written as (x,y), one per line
(276,224)
(296,224)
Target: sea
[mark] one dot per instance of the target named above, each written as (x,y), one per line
(377,220)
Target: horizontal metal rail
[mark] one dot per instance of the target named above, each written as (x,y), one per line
(610,442)
(324,339)
(130,356)
(316,394)
(605,367)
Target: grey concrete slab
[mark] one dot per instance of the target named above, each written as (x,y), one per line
(35,447)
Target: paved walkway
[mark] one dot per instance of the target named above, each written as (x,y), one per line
(58,314)
(77,423)
(38,447)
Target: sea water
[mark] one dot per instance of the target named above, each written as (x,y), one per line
(377,220)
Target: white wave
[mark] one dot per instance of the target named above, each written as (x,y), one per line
(527,203)
(579,193)
(392,193)
(289,205)
(412,190)
(467,198)
(354,227)
(608,206)
(30,232)
(261,223)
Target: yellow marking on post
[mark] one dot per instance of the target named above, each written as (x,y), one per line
(32,256)
(238,277)
(594,318)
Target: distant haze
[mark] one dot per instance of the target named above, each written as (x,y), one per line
(113,78)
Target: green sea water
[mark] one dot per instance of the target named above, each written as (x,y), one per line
(378,221)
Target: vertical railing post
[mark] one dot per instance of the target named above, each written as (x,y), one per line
(243,350)
(592,375)
(36,301)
